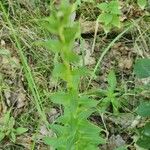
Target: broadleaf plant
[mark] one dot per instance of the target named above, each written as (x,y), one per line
(7,129)
(110,15)
(142,70)
(73,129)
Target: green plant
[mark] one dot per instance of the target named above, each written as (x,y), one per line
(110,13)
(73,129)
(142,3)
(142,70)
(7,129)
(110,94)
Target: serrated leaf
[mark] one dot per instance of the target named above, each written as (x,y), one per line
(105,18)
(51,24)
(55,142)
(53,45)
(59,71)
(142,3)
(86,102)
(90,133)
(71,33)
(144,109)
(82,71)
(116,21)
(103,6)
(114,7)
(142,68)
(20,130)
(71,56)
(61,98)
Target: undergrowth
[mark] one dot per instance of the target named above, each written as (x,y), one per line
(54,77)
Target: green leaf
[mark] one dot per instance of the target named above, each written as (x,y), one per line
(114,7)
(146,130)
(112,81)
(71,56)
(13,137)
(20,130)
(51,24)
(116,21)
(90,133)
(104,104)
(58,129)
(108,18)
(105,18)
(61,98)
(144,109)
(107,28)
(71,33)
(6,117)
(142,68)
(55,142)
(5,52)
(11,122)
(116,105)
(53,45)
(144,142)
(59,71)
(86,102)
(142,3)
(2,135)
(103,6)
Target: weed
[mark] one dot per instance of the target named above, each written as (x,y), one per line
(110,15)
(73,129)
(110,94)
(7,129)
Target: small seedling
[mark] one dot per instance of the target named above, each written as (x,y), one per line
(7,123)
(110,15)
(110,96)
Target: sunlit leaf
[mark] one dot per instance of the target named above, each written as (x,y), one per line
(20,130)
(53,45)
(103,6)
(116,21)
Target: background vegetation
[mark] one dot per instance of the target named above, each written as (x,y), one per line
(74,75)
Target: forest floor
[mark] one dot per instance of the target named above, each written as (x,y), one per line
(117,51)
